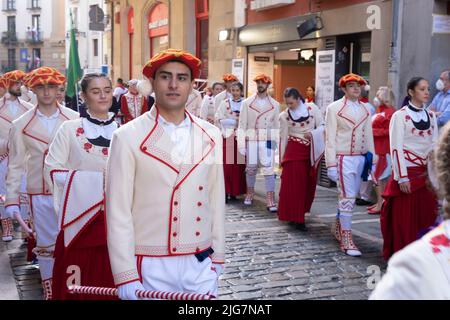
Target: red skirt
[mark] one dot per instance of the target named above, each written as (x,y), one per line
(90,253)
(298,183)
(234,168)
(405,216)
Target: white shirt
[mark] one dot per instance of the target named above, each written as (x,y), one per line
(94,131)
(180,135)
(119,91)
(13,106)
(236,105)
(419,115)
(261,102)
(300,112)
(354,107)
(48,122)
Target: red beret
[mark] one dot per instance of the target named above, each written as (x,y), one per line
(13,76)
(351,77)
(170,55)
(2,83)
(228,77)
(264,78)
(44,76)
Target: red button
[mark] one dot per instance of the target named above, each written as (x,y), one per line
(175,234)
(144,149)
(199,219)
(200,188)
(197,233)
(199,204)
(197,250)
(174,249)
(175,203)
(175,219)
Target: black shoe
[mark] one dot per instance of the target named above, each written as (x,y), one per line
(302,227)
(233,198)
(362,202)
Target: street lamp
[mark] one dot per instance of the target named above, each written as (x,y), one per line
(226,34)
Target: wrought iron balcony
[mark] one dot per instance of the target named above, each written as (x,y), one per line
(34,37)
(7,66)
(9,38)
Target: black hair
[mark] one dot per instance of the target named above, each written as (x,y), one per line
(413,83)
(91,76)
(120,80)
(217,84)
(239,85)
(293,93)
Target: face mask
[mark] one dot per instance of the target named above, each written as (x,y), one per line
(440,86)
(376,102)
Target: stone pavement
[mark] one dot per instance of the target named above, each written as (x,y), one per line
(269,259)
(21,277)
(266,258)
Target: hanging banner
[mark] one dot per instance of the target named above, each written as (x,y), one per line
(325,78)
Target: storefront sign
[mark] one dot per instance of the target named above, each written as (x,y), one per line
(259,63)
(325,78)
(441,24)
(237,69)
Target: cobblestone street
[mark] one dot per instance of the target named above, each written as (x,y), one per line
(266,259)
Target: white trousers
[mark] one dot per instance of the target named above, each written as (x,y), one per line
(349,170)
(46,227)
(178,274)
(258,155)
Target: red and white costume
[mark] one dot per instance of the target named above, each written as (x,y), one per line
(165,206)
(421,271)
(413,134)
(208,109)
(10,110)
(75,168)
(194,103)
(133,106)
(258,135)
(299,158)
(30,137)
(233,162)
(349,138)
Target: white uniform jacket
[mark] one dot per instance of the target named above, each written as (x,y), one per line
(258,124)
(6,119)
(347,134)
(28,146)
(194,103)
(421,271)
(156,207)
(409,146)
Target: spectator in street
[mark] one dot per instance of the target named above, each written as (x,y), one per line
(310,94)
(120,90)
(441,102)
(420,271)
(410,205)
(380,125)
(208,109)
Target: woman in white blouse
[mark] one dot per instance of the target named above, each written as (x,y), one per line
(75,168)
(302,146)
(410,205)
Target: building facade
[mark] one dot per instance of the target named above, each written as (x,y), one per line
(91,19)
(32,34)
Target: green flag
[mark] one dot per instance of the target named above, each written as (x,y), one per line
(74,72)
